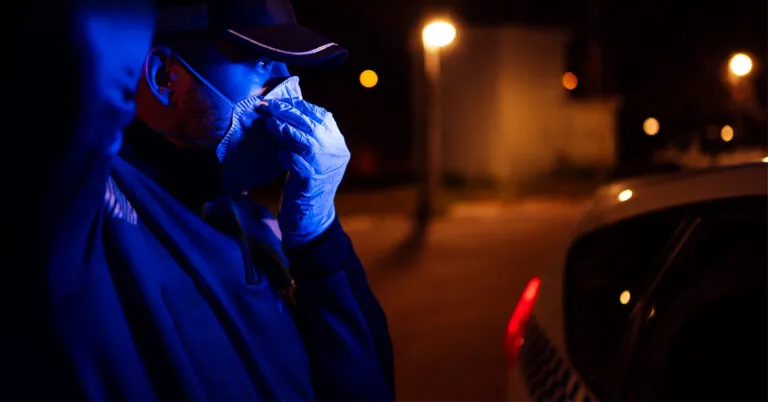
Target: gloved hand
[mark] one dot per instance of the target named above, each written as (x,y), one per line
(316,157)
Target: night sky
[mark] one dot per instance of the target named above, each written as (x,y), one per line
(664,58)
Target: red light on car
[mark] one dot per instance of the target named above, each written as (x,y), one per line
(516,326)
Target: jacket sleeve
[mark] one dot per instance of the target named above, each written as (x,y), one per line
(344,326)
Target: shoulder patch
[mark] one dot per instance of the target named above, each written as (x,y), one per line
(117,206)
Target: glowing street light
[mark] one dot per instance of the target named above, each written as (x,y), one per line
(369,78)
(651,126)
(740,65)
(625,195)
(624,297)
(435,35)
(438,34)
(726,134)
(570,81)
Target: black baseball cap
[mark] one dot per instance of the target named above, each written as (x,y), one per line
(248,29)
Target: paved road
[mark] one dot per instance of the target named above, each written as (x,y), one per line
(449,303)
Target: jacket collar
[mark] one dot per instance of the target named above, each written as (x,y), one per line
(193,177)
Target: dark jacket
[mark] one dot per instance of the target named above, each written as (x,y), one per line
(150,302)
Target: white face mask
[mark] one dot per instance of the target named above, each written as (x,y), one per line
(248,153)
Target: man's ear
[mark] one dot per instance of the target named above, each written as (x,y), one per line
(158,74)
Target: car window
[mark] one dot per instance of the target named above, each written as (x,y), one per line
(608,271)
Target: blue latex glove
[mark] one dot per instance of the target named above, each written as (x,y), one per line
(316,157)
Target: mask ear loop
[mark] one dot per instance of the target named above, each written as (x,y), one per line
(212,88)
(204,81)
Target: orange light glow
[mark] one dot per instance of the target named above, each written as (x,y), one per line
(740,65)
(726,134)
(369,78)
(438,34)
(570,81)
(651,126)
(624,297)
(625,195)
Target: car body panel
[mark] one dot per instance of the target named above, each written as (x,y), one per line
(546,373)
(664,191)
(544,366)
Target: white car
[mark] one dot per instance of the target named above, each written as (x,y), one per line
(663,295)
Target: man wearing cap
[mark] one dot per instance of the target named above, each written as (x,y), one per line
(118,288)
(218,116)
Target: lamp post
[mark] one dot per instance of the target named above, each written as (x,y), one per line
(435,35)
(740,68)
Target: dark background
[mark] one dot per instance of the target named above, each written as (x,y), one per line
(663,58)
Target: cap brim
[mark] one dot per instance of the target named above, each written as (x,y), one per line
(290,44)
(186,29)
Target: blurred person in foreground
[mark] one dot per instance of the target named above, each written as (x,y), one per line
(116,288)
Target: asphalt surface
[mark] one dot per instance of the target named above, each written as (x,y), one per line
(448,301)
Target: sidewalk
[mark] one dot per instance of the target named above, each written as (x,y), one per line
(402,201)
(448,303)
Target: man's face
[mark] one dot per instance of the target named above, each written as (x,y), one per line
(205,116)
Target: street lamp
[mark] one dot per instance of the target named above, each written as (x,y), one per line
(435,35)
(740,65)
(651,126)
(726,133)
(438,34)
(369,79)
(570,81)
